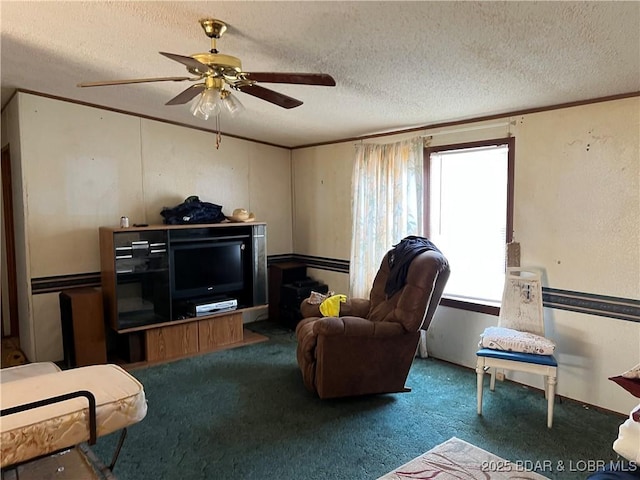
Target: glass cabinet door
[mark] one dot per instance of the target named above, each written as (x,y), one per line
(142,278)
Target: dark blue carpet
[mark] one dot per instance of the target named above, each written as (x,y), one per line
(244,414)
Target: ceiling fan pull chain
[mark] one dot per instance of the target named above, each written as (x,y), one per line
(218,136)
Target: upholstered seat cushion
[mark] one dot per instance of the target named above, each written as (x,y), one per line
(120,402)
(501,338)
(25,371)
(548,360)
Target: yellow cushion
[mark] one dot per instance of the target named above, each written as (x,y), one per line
(331,306)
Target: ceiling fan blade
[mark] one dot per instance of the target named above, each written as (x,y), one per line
(276,98)
(299,78)
(186,95)
(134,80)
(189,62)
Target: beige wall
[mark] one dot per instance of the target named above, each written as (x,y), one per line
(577,191)
(577,216)
(577,213)
(6,321)
(11,136)
(84,167)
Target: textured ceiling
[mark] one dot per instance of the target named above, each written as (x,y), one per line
(397,64)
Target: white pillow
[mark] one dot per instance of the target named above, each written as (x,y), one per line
(507,339)
(628,442)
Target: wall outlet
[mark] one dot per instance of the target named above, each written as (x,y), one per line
(500,376)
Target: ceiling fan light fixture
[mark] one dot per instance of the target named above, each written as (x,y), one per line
(207,104)
(231,103)
(217,71)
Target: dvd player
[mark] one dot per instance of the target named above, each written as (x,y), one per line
(208,308)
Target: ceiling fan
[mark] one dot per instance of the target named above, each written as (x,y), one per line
(219,70)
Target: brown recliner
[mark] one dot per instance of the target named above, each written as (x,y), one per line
(369,348)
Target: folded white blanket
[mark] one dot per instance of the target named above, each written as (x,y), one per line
(628,442)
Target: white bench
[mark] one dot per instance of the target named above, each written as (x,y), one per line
(45,410)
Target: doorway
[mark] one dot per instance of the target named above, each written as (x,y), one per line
(9,310)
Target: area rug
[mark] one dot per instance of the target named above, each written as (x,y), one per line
(456,459)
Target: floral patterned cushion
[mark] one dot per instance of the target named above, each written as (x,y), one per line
(501,338)
(120,402)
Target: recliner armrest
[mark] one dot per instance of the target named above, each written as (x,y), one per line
(350,326)
(355,307)
(308,310)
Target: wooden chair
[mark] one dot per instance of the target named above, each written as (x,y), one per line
(518,343)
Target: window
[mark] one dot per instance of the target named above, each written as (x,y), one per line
(468,215)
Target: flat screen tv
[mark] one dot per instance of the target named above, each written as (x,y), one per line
(210,269)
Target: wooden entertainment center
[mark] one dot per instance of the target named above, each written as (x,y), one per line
(162,286)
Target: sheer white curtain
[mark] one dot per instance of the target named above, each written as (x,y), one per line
(387,197)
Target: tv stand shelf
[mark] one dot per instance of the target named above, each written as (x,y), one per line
(186,320)
(151,277)
(195,335)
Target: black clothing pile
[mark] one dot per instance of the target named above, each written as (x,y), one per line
(193,210)
(400,258)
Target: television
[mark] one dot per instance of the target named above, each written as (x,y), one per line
(211,269)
